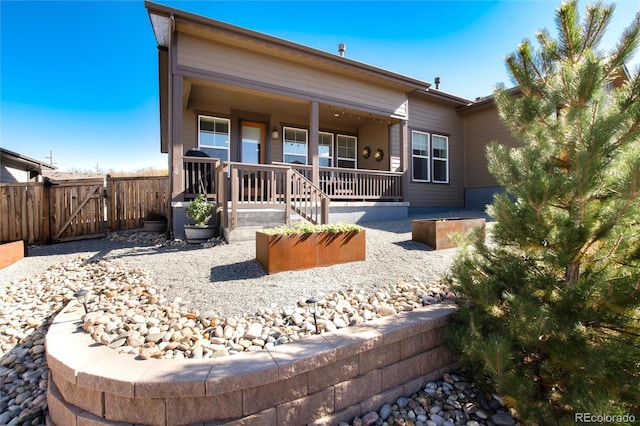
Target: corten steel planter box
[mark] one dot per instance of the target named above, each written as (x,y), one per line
(277,253)
(435,232)
(11,252)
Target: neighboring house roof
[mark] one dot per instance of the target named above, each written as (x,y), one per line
(13,159)
(60,176)
(165,20)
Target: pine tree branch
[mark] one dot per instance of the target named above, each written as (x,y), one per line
(617,330)
(605,228)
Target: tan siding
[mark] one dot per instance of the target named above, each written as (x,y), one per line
(438,118)
(189,130)
(481,128)
(395,149)
(238,63)
(375,136)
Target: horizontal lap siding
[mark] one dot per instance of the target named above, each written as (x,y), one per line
(438,118)
(481,128)
(235,62)
(190,129)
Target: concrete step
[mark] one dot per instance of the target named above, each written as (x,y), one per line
(252,220)
(262,218)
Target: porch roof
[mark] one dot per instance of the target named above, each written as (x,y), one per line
(165,20)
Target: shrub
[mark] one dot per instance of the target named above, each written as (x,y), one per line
(307,228)
(200,210)
(549,316)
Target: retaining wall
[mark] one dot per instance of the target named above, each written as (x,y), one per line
(319,380)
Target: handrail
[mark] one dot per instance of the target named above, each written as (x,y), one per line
(305,198)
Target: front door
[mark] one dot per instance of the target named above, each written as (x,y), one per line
(252,137)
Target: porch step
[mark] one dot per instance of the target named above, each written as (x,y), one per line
(247,233)
(262,218)
(252,220)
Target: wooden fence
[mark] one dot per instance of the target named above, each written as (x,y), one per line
(38,213)
(130,199)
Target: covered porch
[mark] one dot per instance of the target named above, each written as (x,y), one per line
(246,148)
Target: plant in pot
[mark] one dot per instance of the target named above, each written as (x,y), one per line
(155,221)
(200,210)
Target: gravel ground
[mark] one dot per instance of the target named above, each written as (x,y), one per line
(228,280)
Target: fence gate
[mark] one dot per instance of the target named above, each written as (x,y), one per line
(76,209)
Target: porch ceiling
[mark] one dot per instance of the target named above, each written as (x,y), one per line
(204,95)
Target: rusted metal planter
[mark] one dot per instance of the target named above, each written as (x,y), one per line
(435,232)
(11,252)
(277,253)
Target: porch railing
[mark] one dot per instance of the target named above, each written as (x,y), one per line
(306,199)
(268,186)
(283,186)
(356,184)
(199,174)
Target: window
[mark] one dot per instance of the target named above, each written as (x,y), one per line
(440,156)
(420,153)
(295,146)
(347,151)
(213,136)
(325,149)
(430,154)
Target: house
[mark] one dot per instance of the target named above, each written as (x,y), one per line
(18,168)
(270,129)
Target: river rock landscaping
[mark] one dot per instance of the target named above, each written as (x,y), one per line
(131,315)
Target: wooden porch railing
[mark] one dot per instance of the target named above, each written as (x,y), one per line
(356,184)
(264,185)
(285,186)
(200,177)
(306,199)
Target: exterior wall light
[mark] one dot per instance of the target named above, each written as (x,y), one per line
(366,152)
(379,155)
(312,303)
(274,133)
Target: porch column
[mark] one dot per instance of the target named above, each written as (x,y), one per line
(405,157)
(175,141)
(314,130)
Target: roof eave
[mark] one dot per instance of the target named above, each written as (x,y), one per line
(444,96)
(161,14)
(26,161)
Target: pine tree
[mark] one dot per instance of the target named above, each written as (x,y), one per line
(549,312)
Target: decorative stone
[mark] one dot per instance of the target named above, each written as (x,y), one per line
(503,419)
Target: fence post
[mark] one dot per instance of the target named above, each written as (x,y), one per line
(46,191)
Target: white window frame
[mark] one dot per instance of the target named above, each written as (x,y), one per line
(201,145)
(355,153)
(284,142)
(434,159)
(331,147)
(427,157)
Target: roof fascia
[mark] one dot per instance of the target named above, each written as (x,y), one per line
(444,96)
(23,159)
(180,15)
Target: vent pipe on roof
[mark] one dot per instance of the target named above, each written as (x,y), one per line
(342,48)
(437,81)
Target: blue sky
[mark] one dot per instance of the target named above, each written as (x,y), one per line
(79,78)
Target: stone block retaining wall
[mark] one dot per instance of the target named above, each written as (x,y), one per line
(319,380)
